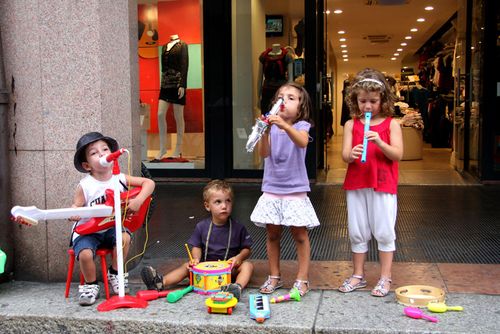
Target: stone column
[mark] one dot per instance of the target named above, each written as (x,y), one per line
(74,67)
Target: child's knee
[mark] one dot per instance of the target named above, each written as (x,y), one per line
(246,266)
(273,236)
(86,255)
(300,234)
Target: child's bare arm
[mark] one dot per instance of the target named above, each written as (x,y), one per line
(349,153)
(242,256)
(263,145)
(196,253)
(299,137)
(148,186)
(78,201)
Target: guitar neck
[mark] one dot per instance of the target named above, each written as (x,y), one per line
(34,213)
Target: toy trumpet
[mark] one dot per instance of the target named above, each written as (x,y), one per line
(442,307)
(368,117)
(261,124)
(294,294)
(417,313)
(176,295)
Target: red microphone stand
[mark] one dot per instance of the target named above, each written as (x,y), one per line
(120,301)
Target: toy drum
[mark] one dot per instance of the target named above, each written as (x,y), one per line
(208,277)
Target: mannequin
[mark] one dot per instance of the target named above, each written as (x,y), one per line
(174,63)
(276,68)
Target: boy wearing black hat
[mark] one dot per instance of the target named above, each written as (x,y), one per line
(91,191)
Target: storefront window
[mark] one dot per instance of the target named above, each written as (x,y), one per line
(268,50)
(171,84)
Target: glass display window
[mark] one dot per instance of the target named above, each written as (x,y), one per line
(171,84)
(267,51)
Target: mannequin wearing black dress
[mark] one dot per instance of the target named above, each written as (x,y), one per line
(174,63)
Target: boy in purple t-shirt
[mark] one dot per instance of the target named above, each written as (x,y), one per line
(218,237)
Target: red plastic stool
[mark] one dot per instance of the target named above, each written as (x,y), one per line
(101,252)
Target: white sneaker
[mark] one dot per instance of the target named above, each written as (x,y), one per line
(88,294)
(113,281)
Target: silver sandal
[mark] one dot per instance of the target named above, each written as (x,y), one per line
(379,290)
(298,284)
(348,287)
(268,287)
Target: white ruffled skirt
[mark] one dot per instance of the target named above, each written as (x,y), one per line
(284,211)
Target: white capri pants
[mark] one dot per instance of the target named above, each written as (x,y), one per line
(370,212)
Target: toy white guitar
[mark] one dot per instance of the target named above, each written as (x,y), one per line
(31,214)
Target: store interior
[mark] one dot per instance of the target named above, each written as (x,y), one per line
(418,45)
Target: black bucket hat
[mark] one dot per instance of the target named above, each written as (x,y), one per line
(87,139)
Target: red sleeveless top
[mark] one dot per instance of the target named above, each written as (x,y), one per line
(378,172)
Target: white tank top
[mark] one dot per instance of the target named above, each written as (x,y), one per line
(95,193)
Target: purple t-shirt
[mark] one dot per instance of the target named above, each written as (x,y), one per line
(218,239)
(285,168)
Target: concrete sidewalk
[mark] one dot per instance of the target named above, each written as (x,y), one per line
(27,307)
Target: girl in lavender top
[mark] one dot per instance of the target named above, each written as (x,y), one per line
(284,201)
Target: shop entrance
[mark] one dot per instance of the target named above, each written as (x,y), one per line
(422,48)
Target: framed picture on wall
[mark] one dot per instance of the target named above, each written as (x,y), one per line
(274,25)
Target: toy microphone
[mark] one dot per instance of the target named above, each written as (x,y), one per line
(368,117)
(107,160)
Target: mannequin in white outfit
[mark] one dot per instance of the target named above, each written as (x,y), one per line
(173,88)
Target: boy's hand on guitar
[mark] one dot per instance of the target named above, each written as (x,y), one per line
(133,205)
(74,218)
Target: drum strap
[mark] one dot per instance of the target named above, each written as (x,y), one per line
(228,239)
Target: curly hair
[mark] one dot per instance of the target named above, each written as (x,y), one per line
(370,80)
(216,185)
(305,105)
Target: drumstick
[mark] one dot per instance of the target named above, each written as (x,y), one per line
(368,117)
(189,253)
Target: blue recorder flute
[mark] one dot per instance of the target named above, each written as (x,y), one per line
(368,117)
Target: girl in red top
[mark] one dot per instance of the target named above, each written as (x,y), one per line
(371,187)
